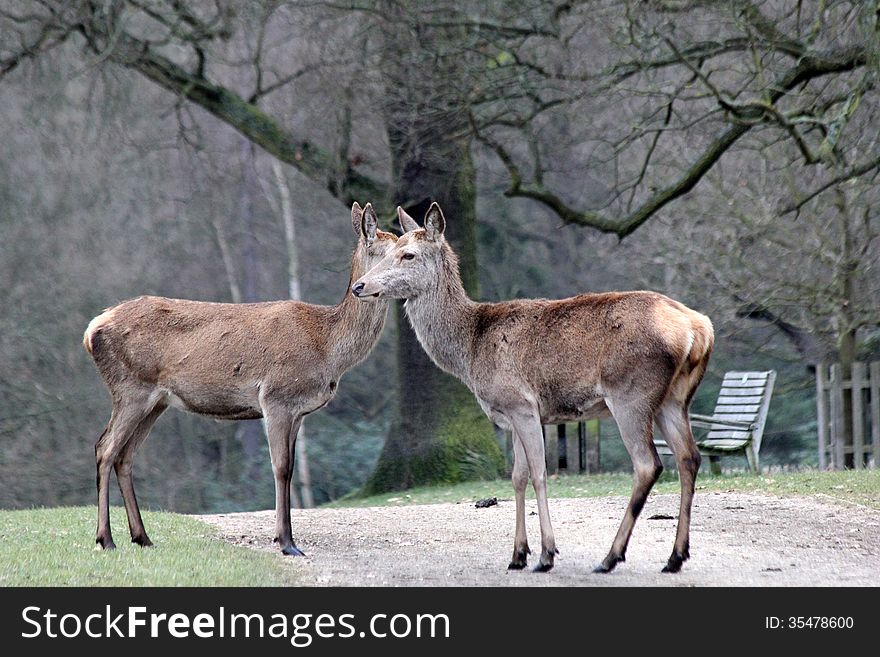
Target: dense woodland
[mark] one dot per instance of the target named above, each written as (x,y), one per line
(724,153)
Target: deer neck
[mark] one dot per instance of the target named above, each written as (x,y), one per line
(355,326)
(442,319)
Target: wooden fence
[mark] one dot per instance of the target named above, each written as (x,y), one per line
(848,414)
(570,448)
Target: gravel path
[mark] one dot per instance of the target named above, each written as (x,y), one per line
(736,540)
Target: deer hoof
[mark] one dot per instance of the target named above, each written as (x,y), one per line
(143,541)
(609,564)
(104,544)
(546,561)
(520,558)
(292,551)
(674,563)
(676,560)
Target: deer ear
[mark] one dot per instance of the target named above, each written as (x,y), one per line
(435,222)
(406,222)
(369,224)
(356,214)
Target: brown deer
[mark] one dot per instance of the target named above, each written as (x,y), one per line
(638,356)
(278,361)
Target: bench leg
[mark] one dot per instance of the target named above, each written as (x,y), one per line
(752,456)
(715,464)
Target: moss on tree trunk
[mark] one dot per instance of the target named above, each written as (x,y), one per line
(444,438)
(439,433)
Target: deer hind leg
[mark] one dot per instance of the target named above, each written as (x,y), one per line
(672,420)
(123,465)
(127,414)
(636,431)
(530,434)
(281,431)
(520,478)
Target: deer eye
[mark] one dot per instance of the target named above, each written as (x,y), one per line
(408,256)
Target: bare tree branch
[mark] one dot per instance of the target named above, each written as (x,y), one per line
(245,117)
(50,35)
(811,66)
(849,174)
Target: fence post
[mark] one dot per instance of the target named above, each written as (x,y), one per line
(562,445)
(837,417)
(821,413)
(874,372)
(858,420)
(551,449)
(572,452)
(582,446)
(592,450)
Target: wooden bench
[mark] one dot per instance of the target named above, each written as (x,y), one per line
(737,423)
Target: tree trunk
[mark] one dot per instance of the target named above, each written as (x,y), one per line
(439,433)
(846,332)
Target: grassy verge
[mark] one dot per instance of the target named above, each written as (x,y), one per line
(860,487)
(54,547)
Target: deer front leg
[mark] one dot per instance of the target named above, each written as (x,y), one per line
(520,479)
(527,426)
(280,431)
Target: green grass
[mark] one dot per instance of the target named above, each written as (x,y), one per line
(55,547)
(860,487)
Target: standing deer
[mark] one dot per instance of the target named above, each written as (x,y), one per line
(636,355)
(278,361)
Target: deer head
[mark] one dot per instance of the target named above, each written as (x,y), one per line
(374,244)
(413,265)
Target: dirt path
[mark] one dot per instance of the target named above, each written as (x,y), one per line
(737,540)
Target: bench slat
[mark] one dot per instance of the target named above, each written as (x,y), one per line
(737,383)
(736,417)
(741,392)
(747,375)
(728,445)
(740,400)
(739,404)
(727,433)
(730,408)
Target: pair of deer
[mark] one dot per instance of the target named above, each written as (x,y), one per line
(638,356)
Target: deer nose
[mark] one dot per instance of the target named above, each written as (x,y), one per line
(357,288)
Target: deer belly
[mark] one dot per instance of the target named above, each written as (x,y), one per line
(570,410)
(218,404)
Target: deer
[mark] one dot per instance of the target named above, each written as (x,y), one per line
(278,361)
(636,356)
